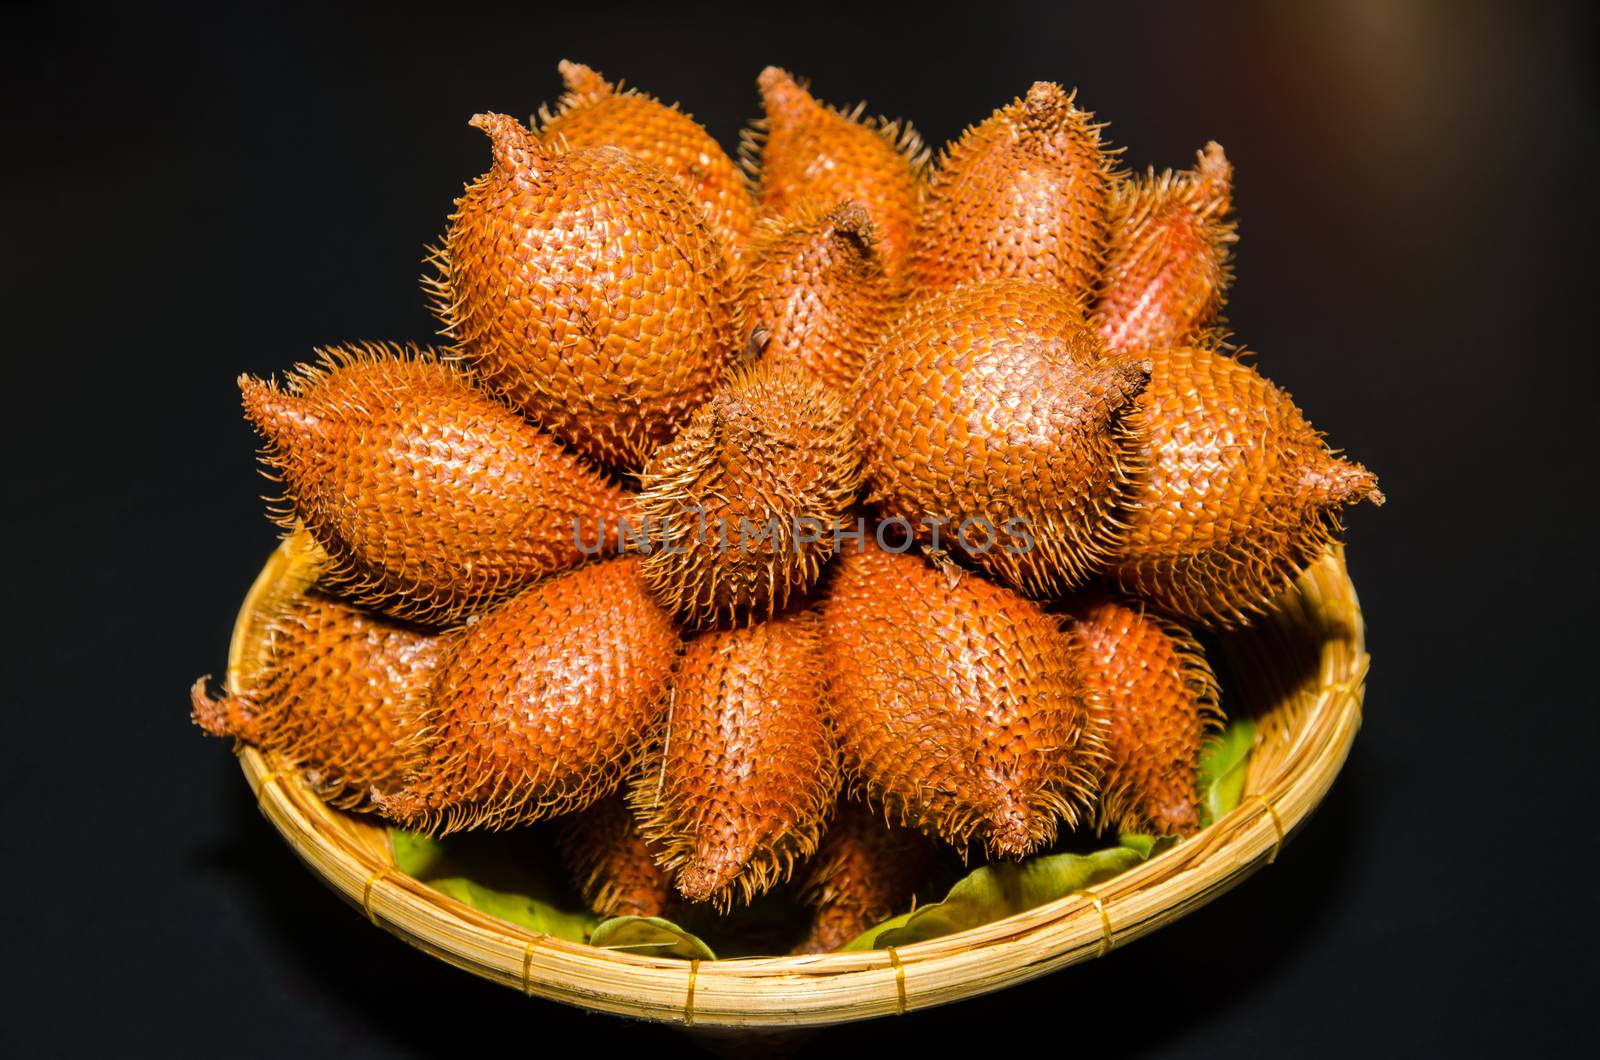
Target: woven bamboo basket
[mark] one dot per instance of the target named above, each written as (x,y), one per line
(1299,671)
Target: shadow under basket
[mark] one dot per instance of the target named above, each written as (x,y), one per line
(1299,671)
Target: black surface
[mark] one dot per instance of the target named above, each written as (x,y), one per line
(191,196)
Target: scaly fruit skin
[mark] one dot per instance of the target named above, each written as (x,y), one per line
(595,113)
(1160,696)
(864,872)
(341,694)
(611,863)
(587,288)
(1167,275)
(742,507)
(432,500)
(540,703)
(810,152)
(957,704)
(992,407)
(745,772)
(817,287)
(1025,194)
(1238,493)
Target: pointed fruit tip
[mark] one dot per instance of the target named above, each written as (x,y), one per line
(1045,103)
(699,882)
(1336,482)
(780,92)
(1213,162)
(272,412)
(853,226)
(510,140)
(208,713)
(582,80)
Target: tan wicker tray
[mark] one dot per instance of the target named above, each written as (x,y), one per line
(1300,671)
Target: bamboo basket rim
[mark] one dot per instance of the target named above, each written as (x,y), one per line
(1301,744)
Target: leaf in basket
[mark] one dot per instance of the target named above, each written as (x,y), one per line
(1001,889)
(492,877)
(416,855)
(650,936)
(518,909)
(1222,768)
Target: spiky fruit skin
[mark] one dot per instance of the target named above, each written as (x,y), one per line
(595,113)
(744,773)
(432,500)
(1167,275)
(1160,697)
(992,407)
(541,702)
(864,872)
(1025,194)
(742,507)
(587,288)
(956,703)
(812,152)
(1238,493)
(341,693)
(612,864)
(816,287)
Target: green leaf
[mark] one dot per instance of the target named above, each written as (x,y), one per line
(649,935)
(518,909)
(1001,889)
(1222,767)
(415,854)
(493,875)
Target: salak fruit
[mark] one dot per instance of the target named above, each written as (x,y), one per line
(743,772)
(1237,491)
(1025,194)
(742,508)
(587,288)
(1168,275)
(957,703)
(541,703)
(809,154)
(612,864)
(864,872)
(432,500)
(991,416)
(1160,697)
(816,289)
(596,113)
(341,694)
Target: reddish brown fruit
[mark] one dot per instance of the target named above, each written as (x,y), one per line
(864,872)
(341,693)
(613,866)
(816,286)
(587,288)
(990,415)
(743,506)
(1167,276)
(810,151)
(1238,495)
(595,113)
(432,500)
(1025,194)
(956,703)
(744,773)
(541,702)
(1161,697)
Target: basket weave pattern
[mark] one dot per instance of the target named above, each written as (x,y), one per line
(1300,671)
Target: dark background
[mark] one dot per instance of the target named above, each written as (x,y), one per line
(189,196)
